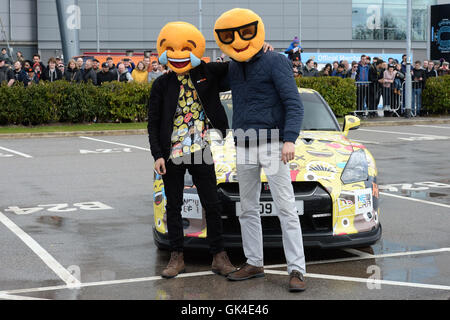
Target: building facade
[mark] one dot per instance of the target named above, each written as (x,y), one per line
(347,26)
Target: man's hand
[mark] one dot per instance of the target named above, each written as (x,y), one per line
(287,152)
(267,47)
(160,166)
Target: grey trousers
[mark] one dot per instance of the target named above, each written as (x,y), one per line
(249,163)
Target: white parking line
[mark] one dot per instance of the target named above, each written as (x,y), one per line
(368,280)
(208,273)
(51,262)
(116,143)
(13,297)
(417,200)
(405,133)
(16,152)
(429,126)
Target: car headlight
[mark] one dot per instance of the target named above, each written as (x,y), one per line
(356,168)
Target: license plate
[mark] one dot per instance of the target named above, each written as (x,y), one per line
(268,208)
(191,208)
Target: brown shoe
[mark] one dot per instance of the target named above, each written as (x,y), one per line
(297,282)
(246,272)
(175,266)
(222,265)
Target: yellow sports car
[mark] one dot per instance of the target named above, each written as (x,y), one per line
(334,180)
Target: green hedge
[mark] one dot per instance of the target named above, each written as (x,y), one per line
(63,101)
(339,93)
(436,95)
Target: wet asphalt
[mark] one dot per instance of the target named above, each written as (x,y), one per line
(88,204)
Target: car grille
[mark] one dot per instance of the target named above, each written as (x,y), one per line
(317,205)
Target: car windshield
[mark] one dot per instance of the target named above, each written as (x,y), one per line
(317,115)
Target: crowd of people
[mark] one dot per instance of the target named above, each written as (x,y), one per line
(375,79)
(30,72)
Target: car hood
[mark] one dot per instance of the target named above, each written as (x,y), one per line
(319,156)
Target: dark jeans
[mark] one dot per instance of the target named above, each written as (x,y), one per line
(204,178)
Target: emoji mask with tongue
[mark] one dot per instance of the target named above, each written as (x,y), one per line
(239,33)
(181,46)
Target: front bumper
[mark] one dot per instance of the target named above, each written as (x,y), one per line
(310,240)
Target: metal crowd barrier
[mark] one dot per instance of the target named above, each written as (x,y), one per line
(375,98)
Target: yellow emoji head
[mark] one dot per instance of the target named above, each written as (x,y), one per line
(181,46)
(239,33)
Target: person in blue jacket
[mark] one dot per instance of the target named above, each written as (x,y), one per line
(267,117)
(294,50)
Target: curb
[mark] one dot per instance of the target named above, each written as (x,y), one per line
(367,123)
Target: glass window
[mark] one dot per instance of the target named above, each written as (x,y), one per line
(386,19)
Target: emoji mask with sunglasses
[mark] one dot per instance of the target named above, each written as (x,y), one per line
(181,46)
(239,33)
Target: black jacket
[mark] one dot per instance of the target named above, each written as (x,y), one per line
(90,74)
(209,79)
(51,76)
(73,75)
(105,77)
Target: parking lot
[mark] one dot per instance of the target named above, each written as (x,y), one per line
(76,217)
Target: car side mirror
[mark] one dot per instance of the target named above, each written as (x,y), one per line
(350,123)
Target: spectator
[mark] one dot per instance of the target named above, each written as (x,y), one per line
(80,63)
(129,65)
(430,72)
(326,71)
(390,61)
(61,68)
(155,72)
(404,64)
(27,64)
(37,60)
(19,73)
(346,65)
(96,65)
(437,65)
(105,75)
(444,70)
(5,56)
(335,66)
(140,74)
(425,65)
(419,77)
(6,73)
(31,78)
(88,73)
(377,79)
(362,71)
(51,73)
(112,67)
(37,70)
(353,72)
(399,78)
(309,70)
(388,81)
(341,72)
(19,57)
(124,74)
(297,68)
(147,63)
(294,50)
(72,73)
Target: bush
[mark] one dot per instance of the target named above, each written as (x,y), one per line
(436,95)
(62,101)
(339,93)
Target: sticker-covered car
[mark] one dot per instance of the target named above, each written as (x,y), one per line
(334,181)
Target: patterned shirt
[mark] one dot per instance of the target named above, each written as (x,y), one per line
(190,121)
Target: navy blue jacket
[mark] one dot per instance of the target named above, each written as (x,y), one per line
(265,95)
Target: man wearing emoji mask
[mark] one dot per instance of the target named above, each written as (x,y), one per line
(267,117)
(183,105)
